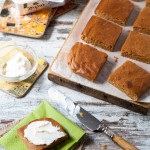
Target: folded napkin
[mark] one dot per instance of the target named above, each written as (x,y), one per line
(11,141)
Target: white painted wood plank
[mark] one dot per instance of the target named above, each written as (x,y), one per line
(134,127)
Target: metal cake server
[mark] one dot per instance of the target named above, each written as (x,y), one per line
(87,119)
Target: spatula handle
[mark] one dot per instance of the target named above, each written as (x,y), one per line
(123,143)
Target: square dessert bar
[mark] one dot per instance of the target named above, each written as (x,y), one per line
(117,11)
(142,23)
(147,2)
(86,61)
(131,79)
(137,46)
(102,33)
(31,146)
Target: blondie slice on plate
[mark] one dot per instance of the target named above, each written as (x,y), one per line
(44,133)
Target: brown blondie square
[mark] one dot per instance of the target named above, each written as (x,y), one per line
(102,33)
(137,46)
(31,146)
(86,61)
(147,2)
(117,11)
(131,79)
(142,23)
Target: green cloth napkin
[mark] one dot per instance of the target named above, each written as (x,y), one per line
(11,141)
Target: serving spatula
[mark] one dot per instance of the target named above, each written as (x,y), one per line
(87,119)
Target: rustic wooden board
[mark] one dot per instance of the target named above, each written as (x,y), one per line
(20,89)
(141,108)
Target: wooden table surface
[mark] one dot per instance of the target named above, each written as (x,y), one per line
(132,126)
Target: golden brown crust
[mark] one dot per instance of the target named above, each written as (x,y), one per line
(142,23)
(147,2)
(131,79)
(137,46)
(115,10)
(86,61)
(102,33)
(41,147)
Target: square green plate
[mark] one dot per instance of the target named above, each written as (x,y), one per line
(11,141)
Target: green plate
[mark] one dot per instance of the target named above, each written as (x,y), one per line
(11,141)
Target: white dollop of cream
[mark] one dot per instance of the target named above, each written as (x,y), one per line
(17,66)
(42,132)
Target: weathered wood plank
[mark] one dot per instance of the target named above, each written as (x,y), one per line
(133,106)
(133,127)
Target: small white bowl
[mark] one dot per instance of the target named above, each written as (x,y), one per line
(34,63)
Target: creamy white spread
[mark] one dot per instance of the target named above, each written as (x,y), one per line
(17,66)
(63,101)
(42,132)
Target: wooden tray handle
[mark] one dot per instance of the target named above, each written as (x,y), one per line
(123,143)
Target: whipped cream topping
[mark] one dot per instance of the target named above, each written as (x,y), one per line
(42,133)
(17,66)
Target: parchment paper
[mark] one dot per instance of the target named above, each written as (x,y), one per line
(60,66)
